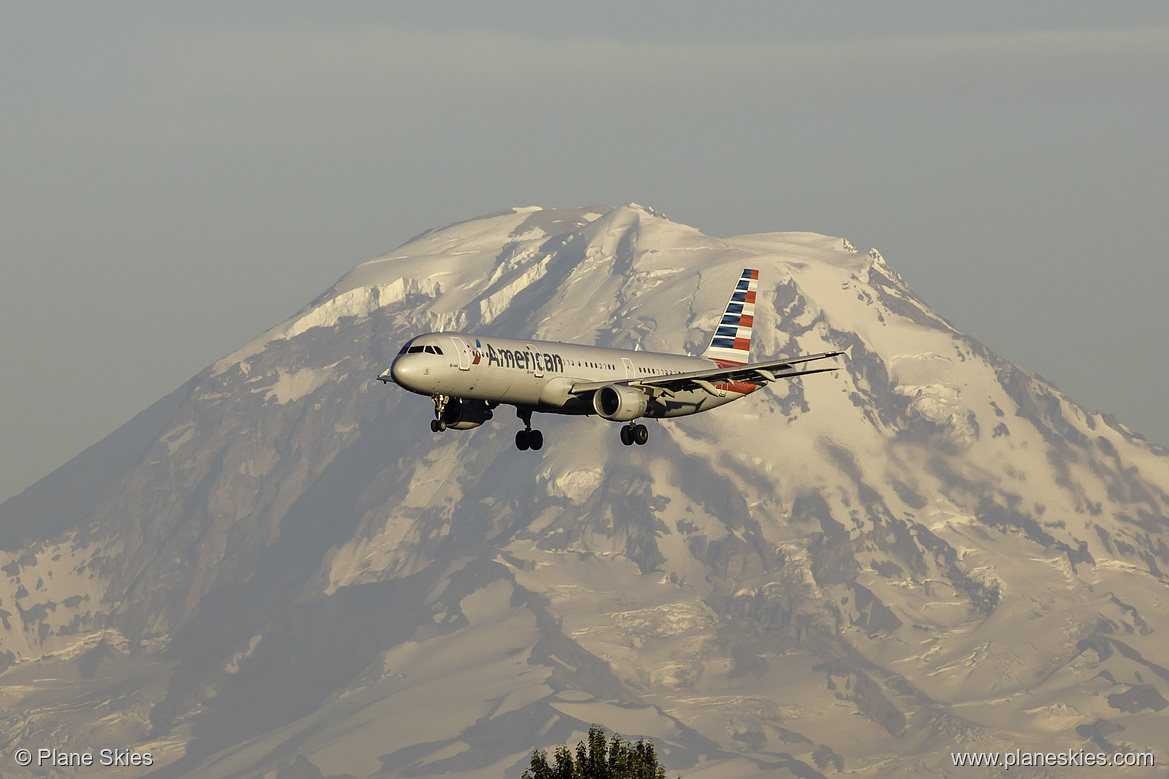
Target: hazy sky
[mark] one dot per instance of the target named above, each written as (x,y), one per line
(178,178)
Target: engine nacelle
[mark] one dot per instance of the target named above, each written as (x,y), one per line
(619,402)
(465,414)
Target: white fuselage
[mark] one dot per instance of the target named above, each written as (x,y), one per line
(540,375)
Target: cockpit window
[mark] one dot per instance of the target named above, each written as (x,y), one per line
(405,347)
(434,349)
(430,350)
(416,349)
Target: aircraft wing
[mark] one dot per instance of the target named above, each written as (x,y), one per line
(754,373)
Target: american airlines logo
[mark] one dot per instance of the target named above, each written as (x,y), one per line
(524,359)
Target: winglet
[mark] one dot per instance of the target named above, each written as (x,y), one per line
(731,343)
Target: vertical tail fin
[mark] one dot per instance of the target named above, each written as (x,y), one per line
(731,344)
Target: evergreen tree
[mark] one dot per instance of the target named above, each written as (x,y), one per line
(597,759)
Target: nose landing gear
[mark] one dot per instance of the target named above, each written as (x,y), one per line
(527,438)
(634,434)
(436,424)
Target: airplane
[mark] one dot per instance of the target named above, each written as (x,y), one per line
(468,376)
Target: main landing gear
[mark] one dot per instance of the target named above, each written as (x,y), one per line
(527,438)
(634,434)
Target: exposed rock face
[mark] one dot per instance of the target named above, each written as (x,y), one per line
(279,569)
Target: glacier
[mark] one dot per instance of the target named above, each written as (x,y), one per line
(280,568)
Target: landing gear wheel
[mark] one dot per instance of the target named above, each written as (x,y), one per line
(434,426)
(640,434)
(627,435)
(527,438)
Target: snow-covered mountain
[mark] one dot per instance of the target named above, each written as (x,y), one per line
(931,550)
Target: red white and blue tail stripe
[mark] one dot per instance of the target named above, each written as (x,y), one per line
(731,344)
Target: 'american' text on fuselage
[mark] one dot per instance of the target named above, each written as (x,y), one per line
(524,359)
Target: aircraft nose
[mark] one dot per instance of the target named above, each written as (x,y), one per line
(405,371)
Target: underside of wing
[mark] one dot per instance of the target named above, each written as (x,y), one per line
(751,373)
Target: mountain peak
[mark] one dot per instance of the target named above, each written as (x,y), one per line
(928,550)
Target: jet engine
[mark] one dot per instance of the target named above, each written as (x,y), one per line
(465,414)
(619,402)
